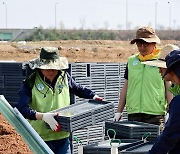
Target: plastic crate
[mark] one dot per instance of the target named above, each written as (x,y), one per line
(104,147)
(84,114)
(142,148)
(87,135)
(132,129)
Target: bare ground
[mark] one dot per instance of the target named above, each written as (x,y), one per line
(75,51)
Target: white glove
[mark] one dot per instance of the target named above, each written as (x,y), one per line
(166,117)
(49,119)
(117,116)
(96,97)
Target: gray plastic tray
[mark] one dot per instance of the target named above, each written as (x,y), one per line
(132,129)
(84,114)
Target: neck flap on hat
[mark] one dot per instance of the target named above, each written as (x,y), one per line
(153,55)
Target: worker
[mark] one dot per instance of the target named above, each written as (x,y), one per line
(48,88)
(169,140)
(144,92)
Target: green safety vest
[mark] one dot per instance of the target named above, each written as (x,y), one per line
(55,99)
(146,90)
(175,90)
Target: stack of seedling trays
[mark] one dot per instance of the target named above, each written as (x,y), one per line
(79,69)
(112,82)
(82,135)
(132,129)
(97,83)
(87,135)
(104,147)
(96,133)
(112,69)
(11,77)
(10,68)
(97,69)
(80,115)
(122,68)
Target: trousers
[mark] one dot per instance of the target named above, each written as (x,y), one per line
(60,146)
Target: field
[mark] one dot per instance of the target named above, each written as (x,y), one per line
(75,51)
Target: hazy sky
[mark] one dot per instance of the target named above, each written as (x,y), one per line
(93,14)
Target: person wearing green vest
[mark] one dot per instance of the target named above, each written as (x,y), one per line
(161,64)
(169,140)
(144,92)
(48,88)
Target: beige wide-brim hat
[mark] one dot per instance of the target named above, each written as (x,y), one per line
(157,63)
(49,59)
(161,61)
(147,34)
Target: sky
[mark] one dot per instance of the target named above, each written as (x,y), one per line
(89,14)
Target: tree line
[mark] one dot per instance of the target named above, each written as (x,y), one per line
(40,34)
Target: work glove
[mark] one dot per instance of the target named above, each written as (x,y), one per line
(118,116)
(96,97)
(166,117)
(49,119)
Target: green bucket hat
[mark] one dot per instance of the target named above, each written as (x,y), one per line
(49,59)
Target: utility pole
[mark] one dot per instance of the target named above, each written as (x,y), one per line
(5,12)
(55,15)
(156,15)
(126,14)
(169,15)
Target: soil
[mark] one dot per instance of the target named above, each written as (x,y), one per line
(10,141)
(75,51)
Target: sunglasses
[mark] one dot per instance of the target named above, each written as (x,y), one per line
(141,43)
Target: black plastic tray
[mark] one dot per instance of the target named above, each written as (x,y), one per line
(142,148)
(132,129)
(104,147)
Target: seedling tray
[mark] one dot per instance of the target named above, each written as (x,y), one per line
(132,129)
(84,114)
(104,147)
(142,148)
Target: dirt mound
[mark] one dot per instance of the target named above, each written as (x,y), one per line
(10,140)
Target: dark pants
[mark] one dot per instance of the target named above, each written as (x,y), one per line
(147,118)
(60,146)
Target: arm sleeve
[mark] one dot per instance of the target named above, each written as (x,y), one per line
(79,90)
(126,72)
(169,138)
(25,95)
